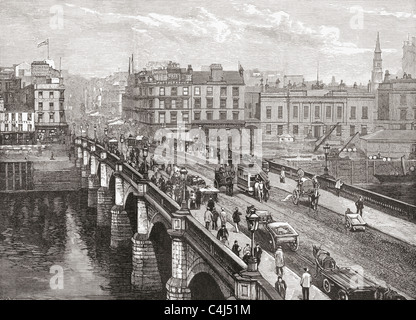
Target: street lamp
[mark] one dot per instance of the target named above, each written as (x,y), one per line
(95,133)
(145,154)
(122,144)
(88,128)
(253,225)
(119,166)
(326,149)
(184,173)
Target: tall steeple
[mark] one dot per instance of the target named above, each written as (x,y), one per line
(377,73)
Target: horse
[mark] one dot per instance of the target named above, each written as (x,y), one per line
(313,199)
(323,259)
(383,293)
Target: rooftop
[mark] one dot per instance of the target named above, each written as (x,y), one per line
(229,77)
(392,136)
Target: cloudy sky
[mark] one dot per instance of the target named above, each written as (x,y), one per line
(96,37)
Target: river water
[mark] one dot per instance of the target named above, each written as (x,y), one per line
(49,237)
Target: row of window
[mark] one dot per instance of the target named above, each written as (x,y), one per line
(51,116)
(51,105)
(143,91)
(306,129)
(17,128)
(328,112)
(42,95)
(197,116)
(210,103)
(20,117)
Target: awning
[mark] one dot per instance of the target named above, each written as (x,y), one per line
(139,138)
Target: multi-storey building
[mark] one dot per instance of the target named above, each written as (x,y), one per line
(396,104)
(305,114)
(409,57)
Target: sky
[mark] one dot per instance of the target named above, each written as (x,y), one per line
(95,38)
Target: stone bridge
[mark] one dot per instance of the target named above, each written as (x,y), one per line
(139,214)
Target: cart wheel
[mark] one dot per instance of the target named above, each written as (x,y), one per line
(348,224)
(216,184)
(342,295)
(326,285)
(294,245)
(295,197)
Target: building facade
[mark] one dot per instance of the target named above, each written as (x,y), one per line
(310,114)
(409,57)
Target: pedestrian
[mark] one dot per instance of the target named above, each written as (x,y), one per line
(282,175)
(215,216)
(279,261)
(256,187)
(198,196)
(360,205)
(338,185)
(193,202)
(223,217)
(211,203)
(236,248)
(305,283)
(246,253)
(281,287)
(236,219)
(222,235)
(257,253)
(207,218)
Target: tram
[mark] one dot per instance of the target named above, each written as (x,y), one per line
(246,177)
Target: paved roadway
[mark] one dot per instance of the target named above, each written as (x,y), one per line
(385,259)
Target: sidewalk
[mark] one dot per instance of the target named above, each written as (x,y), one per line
(267,266)
(395,227)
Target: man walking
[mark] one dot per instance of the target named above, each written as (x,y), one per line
(305,283)
(360,205)
(222,235)
(279,261)
(198,196)
(338,185)
(236,248)
(257,253)
(236,219)
(281,287)
(223,217)
(211,203)
(207,218)
(215,216)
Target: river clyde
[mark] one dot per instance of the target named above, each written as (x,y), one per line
(49,237)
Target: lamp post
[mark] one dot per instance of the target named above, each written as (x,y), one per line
(326,149)
(184,173)
(252,225)
(95,133)
(145,154)
(81,130)
(105,140)
(122,144)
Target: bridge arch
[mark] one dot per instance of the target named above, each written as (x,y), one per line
(205,284)
(130,206)
(162,247)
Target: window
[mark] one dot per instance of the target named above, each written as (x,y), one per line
(173,104)
(317,112)
(174,91)
(185,117)
(185,91)
(173,117)
(209,91)
(167,104)
(280,112)
(403,100)
(223,115)
(197,91)
(363,130)
(268,112)
(20,127)
(295,112)
(403,114)
(209,115)
(150,91)
(13,117)
(338,131)
(185,103)
(162,104)
(197,103)
(236,92)
(197,115)
(339,112)
(6,117)
(40,117)
(235,115)
(353,113)
(268,129)
(328,112)
(50,105)
(161,91)
(151,103)
(295,129)
(50,94)
(40,106)
(306,130)
(20,117)
(305,112)
(235,103)
(352,130)
(279,130)
(364,113)
(51,116)
(6,127)
(223,91)
(40,94)
(162,117)
(29,127)
(29,117)
(223,103)
(210,103)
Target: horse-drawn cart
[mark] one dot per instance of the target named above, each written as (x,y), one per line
(306,189)
(208,192)
(283,233)
(225,177)
(354,222)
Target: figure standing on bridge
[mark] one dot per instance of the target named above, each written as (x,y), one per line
(282,175)
(338,185)
(236,219)
(236,248)
(222,235)
(215,216)
(305,283)
(207,218)
(223,217)
(211,203)
(281,287)
(246,253)
(360,205)
(279,261)
(257,253)
(198,197)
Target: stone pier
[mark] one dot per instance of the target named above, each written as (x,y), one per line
(104,204)
(121,231)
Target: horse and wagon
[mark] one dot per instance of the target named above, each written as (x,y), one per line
(224,177)
(306,188)
(248,179)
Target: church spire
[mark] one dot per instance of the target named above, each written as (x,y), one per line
(378,50)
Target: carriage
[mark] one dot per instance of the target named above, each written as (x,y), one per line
(224,178)
(283,233)
(246,180)
(208,192)
(354,222)
(195,181)
(306,189)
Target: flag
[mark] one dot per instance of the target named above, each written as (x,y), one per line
(43,43)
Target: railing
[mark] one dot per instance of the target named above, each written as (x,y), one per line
(166,202)
(369,196)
